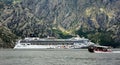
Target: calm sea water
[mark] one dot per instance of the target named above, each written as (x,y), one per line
(57,57)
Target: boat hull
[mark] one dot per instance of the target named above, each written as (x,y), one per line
(102,52)
(45,47)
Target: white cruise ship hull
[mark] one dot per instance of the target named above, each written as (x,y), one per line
(33,47)
(49,47)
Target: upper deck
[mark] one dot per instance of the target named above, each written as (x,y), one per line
(54,41)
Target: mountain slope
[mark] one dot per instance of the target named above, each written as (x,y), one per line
(7,38)
(88,18)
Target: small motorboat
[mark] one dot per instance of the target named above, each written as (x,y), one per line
(99,49)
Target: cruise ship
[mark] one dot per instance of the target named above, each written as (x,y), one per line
(52,43)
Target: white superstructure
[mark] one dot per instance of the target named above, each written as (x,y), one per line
(50,42)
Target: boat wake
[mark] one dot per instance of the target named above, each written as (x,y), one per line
(116,52)
(109,52)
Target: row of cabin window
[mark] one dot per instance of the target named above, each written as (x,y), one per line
(52,43)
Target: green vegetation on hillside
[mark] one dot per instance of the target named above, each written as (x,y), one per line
(7,38)
(61,34)
(99,37)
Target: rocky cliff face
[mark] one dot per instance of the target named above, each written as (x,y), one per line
(43,17)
